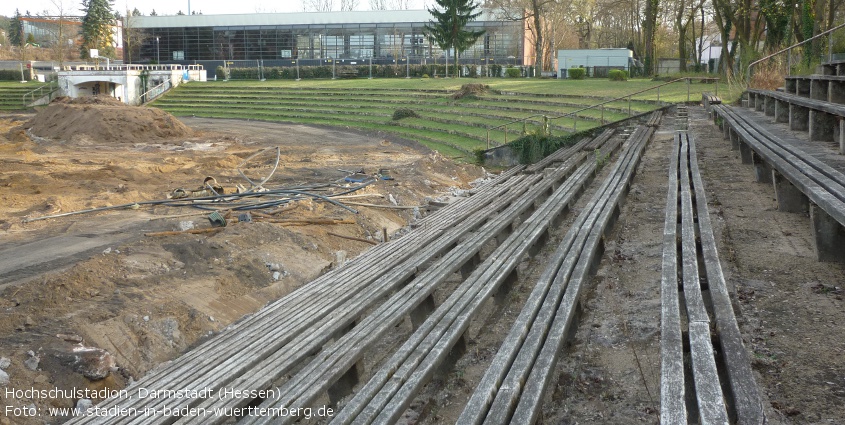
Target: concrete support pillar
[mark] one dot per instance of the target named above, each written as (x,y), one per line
(506,287)
(470,265)
(758,102)
(818,90)
(345,384)
(790,85)
(745,152)
(803,86)
(822,126)
(762,169)
(799,117)
(734,140)
(842,136)
(770,106)
(789,197)
(829,236)
(421,312)
(781,111)
(836,92)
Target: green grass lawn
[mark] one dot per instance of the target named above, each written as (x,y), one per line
(454,127)
(589,87)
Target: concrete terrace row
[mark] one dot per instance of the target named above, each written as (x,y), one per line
(307,349)
(456,127)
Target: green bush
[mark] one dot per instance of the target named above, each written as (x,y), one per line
(220,72)
(404,113)
(617,75)
(13,75)
(577,73)
(496,70)
(536,146)
(513,73)
(425,76)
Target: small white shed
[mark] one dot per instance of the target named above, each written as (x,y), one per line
(594,60)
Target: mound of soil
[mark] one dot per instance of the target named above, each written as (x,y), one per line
(470,90)
(104,119)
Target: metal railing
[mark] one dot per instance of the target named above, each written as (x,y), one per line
(788,51)
(155,92)
(547,119)
(41,91)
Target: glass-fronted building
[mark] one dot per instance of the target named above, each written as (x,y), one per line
(380,35)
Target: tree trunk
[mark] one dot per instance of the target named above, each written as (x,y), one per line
(649,27)
(538,36)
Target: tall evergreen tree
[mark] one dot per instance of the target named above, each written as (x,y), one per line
(448,29)
(16,30)
(97,27)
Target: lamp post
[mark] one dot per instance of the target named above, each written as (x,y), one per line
(158,59)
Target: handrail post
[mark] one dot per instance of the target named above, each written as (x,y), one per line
(488,138)
(658,94)
(506,135)
(788,62)
(629,106)
(602,114)
(688,84)
(830,47)
(524,129)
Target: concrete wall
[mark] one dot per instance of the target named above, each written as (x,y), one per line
(122,84)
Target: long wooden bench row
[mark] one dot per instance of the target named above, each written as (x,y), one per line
(334,369)
(741,400)
(801,182)
(513,388)
(654,119)
(708,99)
(829,88)
(246,343)
(824,121)
(391,390)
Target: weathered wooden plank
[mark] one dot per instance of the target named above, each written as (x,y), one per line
(672,391)
(696,311)
(708,392)
(744,389)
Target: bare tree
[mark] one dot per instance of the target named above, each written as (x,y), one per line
(399,4)
(347,5)
(378,4)
(533,13)
(132,36)
(318,5)
(60,32)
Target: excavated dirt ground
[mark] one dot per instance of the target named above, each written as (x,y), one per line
(146,300)
(95,280)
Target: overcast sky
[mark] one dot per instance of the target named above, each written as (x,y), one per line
(170,7)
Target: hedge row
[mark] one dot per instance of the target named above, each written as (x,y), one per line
(14,75)
(345,71)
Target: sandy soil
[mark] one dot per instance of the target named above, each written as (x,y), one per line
(95,280)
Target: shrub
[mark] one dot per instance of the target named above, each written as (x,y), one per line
(13,75)
(425,76)
(536,146)
(577,73)
(617,75)
(404,113)
(220,72)
(513,73)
